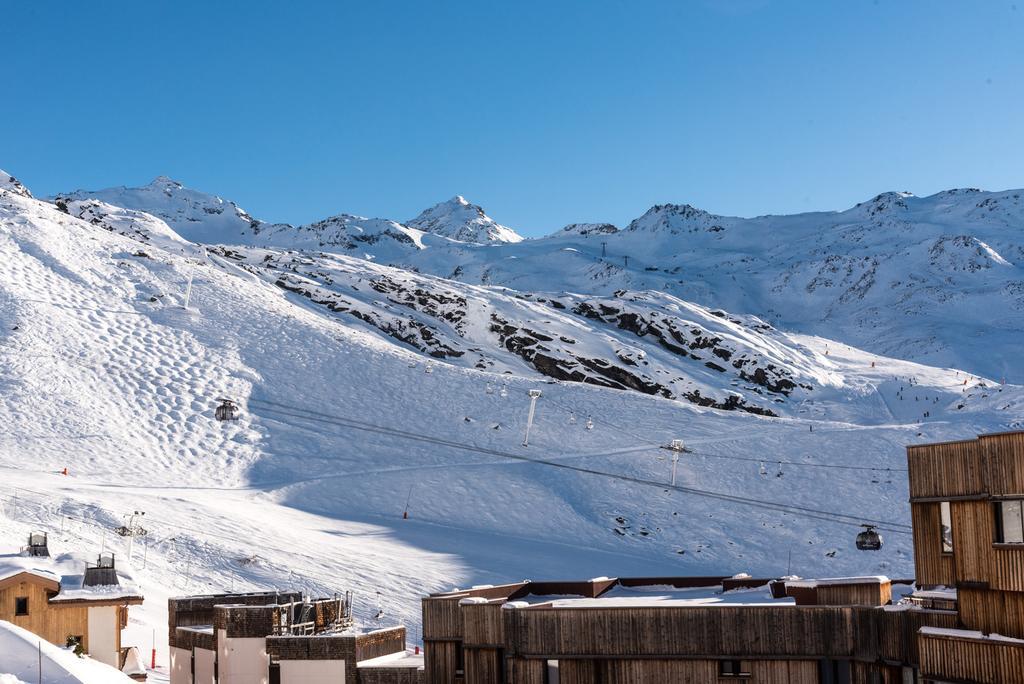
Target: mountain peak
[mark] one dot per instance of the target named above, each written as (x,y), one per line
(163,181)
(460,219)
(12,184)
(675,218)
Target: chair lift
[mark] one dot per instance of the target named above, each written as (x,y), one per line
(868,539)
(763,470)
(227,410)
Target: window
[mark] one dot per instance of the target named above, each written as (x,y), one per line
(21,605)
(946,527)
(1009,524)
(733,668)
(551,672)
(834,671)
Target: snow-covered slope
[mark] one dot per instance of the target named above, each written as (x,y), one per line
(366,389)
(460,220)
(194,215)
(24,658)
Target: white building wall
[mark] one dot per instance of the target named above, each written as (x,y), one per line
(312,672)
(181,666)
(205,666)
(103,631)
(242,660)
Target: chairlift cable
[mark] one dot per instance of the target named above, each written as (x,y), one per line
(315,416)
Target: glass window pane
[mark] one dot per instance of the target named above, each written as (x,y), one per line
(946,527)
(1013,529)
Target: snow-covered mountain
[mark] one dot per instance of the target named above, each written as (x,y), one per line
(369,383)
(936,279)
(194,215)
(12,184)
(460,220)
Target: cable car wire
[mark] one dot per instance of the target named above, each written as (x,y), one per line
(300,413)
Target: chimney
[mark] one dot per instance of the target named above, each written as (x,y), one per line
(37,545)
(102,573)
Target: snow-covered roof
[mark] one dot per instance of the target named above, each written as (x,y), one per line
(969,634)
(401,659)
(838,581)
(11,566)
(67,570)
(945,593)
(660,595)
(21,653)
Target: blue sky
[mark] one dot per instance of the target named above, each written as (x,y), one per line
(545,113)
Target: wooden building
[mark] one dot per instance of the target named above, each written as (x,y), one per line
(966,501)
(282,638)
(963,623)
(51,599)
(662,629)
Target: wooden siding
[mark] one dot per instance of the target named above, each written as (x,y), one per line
(482,625)
(975,557)
(739,631)
(442,619)
(523,671)
(990,465)
(971,660)
(1004,463)
(1000,612)
(631,671)
(439,660)
(580,671)
(897,631)
(1007,571)
(483,665)
(874,673)
(784,671)
(946,470)
(972,540)
(53,622)
(867,594)
(934,568)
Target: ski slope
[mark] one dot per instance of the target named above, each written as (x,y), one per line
(344,427)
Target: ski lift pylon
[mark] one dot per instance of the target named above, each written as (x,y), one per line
(227,410)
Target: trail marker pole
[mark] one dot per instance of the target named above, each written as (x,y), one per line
(188,290)
(191,273)
(534,395)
